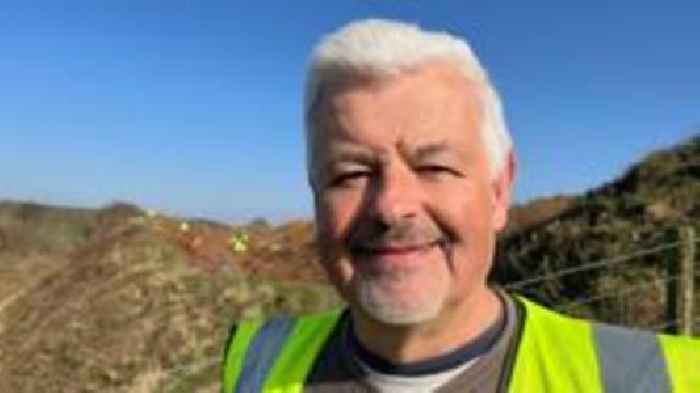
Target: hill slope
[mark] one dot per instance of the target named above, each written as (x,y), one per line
(114,299)
(645,209)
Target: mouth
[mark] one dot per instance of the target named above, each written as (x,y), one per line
(395,252)
(401,250)
(395,256)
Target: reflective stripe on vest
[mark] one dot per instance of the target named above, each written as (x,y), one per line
(277,356)
(236,353)
(555,354)
(630,360)
(266,346)
(627,360)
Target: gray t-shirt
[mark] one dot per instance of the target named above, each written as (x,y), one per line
(338,368)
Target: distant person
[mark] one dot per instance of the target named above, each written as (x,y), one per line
(411,166)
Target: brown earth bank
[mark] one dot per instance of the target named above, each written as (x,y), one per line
(121,299)
(117,299)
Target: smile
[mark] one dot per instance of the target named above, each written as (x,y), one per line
(394,256)
(395,249)
(401,250)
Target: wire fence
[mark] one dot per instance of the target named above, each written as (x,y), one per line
(605,263)
(664,299)
(628,290)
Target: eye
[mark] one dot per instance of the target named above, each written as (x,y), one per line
(348,178)
(438,171)
(435,169)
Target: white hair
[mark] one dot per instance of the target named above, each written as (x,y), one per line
(381,48)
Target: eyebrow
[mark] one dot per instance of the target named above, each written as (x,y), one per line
(432,149)
(351,156)
(427,151)
(348,152)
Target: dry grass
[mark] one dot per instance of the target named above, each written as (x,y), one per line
(131,312)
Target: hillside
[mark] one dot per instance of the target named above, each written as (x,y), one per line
(113,298)
(124,300)
(646,208)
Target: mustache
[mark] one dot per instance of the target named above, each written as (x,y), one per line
(403,233)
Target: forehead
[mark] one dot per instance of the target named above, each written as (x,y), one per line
(431,103)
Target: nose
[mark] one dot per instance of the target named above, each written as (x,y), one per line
(394,196)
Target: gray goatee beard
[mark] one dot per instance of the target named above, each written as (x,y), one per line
(377,298)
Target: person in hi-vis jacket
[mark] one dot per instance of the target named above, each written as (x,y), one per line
(411,165)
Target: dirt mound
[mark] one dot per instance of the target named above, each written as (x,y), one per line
(134,311)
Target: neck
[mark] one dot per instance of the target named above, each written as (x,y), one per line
(457,324)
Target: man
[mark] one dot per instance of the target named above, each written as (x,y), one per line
(411,168)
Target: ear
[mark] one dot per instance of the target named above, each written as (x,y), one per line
(502,186)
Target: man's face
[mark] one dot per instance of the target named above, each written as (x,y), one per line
(406,208)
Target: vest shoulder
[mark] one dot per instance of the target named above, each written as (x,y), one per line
(535,312)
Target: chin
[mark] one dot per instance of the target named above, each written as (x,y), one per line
(389,307)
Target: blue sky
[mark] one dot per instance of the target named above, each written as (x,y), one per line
(193,108)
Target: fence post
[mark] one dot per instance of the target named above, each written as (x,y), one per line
(672,299)
(687,281)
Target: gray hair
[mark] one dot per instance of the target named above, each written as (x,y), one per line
(382,48)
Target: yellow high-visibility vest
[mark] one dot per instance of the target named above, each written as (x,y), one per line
(554,354)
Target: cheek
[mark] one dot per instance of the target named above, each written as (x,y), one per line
(335,215)
(334,218)
(466,214)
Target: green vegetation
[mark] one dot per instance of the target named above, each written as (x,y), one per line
(643,209)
